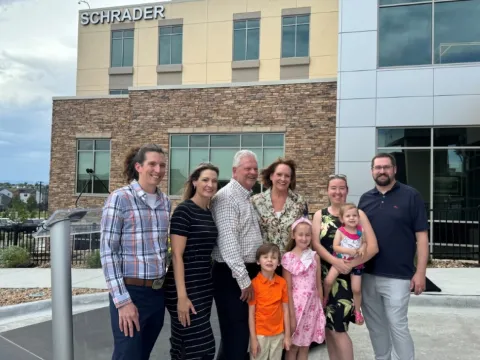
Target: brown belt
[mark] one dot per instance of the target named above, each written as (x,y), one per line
(140,282)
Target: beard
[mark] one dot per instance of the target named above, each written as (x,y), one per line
(384,181)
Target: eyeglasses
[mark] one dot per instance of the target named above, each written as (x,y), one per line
(337,176)
(385,167)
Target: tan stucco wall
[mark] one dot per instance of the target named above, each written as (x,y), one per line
(208,42)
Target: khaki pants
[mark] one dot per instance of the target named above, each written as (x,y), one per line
(270,347)
(385,308)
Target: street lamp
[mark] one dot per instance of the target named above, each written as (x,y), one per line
(40,198)
(83,1)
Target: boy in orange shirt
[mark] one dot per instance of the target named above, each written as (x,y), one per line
(268,317)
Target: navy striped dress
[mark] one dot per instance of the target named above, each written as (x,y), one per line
(194,342)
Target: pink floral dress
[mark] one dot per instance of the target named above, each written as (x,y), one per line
(308,310)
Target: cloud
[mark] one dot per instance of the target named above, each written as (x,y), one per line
(5,3)
(38,57)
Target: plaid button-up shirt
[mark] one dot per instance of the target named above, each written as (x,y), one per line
(239,233)
(133,239)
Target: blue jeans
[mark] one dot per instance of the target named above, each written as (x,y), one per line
(151,310)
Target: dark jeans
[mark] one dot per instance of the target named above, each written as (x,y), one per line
(232,312)
(151,310)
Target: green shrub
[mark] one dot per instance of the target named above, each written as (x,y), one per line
(93,260)
(14,256)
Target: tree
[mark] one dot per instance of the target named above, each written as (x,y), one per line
(18,209)
(32,203)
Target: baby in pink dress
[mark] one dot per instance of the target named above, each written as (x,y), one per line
(301,270)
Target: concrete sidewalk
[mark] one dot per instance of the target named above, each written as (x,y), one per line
(433,320)
(452,281)
(41,278)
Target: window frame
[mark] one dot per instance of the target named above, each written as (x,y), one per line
(246,29)
(296,34)
(123,46)
(432,35)
(93,151)
(122,91)
(209,148)
(170,37)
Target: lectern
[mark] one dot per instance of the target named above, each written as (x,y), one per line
(59,228)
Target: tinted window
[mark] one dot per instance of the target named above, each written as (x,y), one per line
(246,40)
(394,2)
(187,151)
(457,32)
(122,48)
(405,35)
(295,36)
(404,137)
(457,137)
(171,45)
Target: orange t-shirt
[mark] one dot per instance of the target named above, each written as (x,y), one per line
(268,298)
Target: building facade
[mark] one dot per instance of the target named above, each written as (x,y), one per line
(198,42)
(204,79)
(409,84)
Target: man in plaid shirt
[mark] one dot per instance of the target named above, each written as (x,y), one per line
(235,264)
(133,249)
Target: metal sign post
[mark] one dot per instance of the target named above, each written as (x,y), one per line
(59,228)
(60,260)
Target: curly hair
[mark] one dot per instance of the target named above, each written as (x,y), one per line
(268,171)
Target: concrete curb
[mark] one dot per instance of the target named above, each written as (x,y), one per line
(8,313)
(445,300)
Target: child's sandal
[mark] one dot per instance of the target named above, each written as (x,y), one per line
(358,318)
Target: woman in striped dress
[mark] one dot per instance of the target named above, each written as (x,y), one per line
(189,286)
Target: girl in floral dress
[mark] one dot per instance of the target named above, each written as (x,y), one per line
(301,270)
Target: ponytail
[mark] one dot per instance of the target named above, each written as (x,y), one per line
(137,155)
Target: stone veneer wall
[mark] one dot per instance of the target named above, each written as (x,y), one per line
(305,111)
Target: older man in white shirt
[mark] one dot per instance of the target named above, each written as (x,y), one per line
(239,237)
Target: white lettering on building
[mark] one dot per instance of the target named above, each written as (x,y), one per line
(118,16)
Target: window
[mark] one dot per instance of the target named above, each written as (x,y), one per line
(170,45)
(461,136)
(456,178)
(446,172)
(413,168)
(94,155)
(457,33)
(122,48)
(456,163)
(295,36)
(119,92)
(187,151)
(406,36)
(246,40)
(404,137)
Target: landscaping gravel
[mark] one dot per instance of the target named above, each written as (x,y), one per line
(18,296)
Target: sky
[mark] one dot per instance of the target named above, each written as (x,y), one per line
(38,59)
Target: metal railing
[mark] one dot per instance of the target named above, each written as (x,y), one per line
(82,245)
(454,233)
